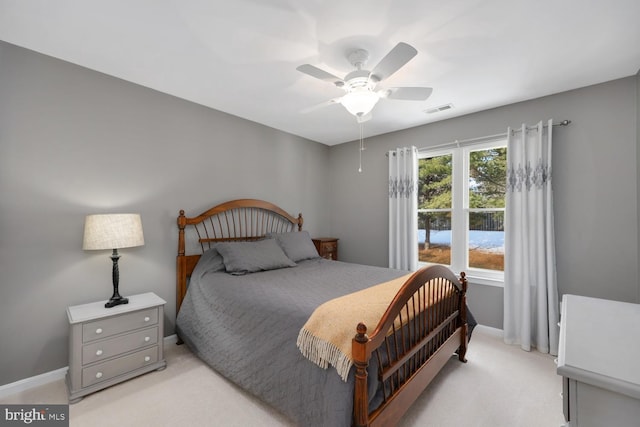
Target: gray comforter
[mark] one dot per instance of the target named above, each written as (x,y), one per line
(245,327)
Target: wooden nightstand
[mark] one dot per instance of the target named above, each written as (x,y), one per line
(327,247)
(111,345)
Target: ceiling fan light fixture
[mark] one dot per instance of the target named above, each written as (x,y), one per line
(360,101)
(360,84)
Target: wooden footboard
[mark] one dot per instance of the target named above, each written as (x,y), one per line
(410,356)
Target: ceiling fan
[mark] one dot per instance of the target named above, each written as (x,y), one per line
(360,85)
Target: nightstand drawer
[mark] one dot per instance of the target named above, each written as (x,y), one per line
(120,366)
(114,325)
(327,247)
(112,347)
(330,246)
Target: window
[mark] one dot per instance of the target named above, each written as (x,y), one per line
(461,203)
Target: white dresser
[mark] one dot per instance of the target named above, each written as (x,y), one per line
(599,360)
(110,345)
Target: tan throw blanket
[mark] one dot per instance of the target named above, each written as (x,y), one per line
(326,337)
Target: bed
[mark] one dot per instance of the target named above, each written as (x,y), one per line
(246,311)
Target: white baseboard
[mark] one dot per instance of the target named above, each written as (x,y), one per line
(51,376)
(171,339)
(492,330)
(32,382)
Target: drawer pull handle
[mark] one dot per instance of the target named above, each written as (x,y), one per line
(99,353)
(147,318)
(99,375)
(99,331)
(147,358)
(147,339)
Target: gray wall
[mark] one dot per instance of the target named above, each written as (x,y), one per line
(595,178)
(74,142)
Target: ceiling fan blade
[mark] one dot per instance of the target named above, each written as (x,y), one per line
(321,105)
(395,59)
(409,93)
(316,72)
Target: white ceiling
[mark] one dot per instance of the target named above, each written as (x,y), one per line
(240,56)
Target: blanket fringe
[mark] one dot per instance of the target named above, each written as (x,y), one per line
(323,353)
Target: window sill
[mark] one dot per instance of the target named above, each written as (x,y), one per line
(485,281)
(473,277)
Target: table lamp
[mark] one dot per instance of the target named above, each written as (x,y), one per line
(113,231)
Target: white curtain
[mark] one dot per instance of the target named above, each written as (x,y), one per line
(403,208)
(530,288)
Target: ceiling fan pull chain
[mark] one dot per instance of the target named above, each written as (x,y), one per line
(361,147)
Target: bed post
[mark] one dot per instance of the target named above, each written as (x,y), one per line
(300,221)
(360,360)
(463,318)
(181,262)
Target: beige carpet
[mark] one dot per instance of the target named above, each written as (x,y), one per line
(501,386)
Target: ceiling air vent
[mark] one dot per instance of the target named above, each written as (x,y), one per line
(438,109)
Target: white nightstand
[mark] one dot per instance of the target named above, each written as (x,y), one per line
(111,345)
(598,360)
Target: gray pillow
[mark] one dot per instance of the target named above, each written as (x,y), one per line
(249,257)
(210,262)
(297,245)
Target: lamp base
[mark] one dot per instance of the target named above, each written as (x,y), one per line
(116,301)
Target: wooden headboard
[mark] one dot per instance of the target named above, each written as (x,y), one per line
(233,221)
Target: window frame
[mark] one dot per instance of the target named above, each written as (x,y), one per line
(460,210)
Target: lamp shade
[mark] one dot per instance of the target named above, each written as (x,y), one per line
(112,231)
(360,101)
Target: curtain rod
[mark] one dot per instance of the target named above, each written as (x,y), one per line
(458,143)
